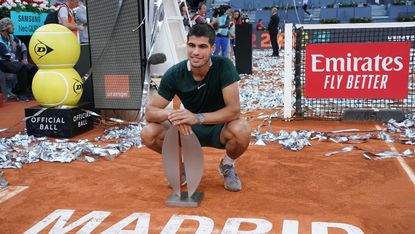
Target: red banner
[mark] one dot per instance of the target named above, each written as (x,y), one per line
(357,70)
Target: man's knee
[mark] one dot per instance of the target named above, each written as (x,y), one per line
(148,134)
(240,129)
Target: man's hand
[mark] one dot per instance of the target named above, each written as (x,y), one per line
(185,129)
(182,116)
(80,27)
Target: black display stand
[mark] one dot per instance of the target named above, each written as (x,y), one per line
(60,123)
(243,53)
(82,67)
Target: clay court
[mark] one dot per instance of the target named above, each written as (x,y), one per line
(295,192)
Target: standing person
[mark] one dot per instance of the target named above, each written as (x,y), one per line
(222,32)
(273,31)
(232,36)
(185,15)
(305,4)
(82,19)
(10,45)
(199,16)
(208,88)
(245,16)
(236,17)
(66,15)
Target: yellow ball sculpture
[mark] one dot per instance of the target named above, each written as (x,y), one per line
(54,46)
(57,87)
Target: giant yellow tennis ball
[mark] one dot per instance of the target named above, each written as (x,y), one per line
(54,46)
(57,87)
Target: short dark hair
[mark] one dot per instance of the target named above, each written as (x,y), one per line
(202,30)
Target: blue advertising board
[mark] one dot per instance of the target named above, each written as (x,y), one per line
(26,23)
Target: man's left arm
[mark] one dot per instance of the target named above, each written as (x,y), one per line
(232,109)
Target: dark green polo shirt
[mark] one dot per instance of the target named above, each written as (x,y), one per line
(199,96)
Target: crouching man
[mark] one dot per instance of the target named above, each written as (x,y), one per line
(208,89)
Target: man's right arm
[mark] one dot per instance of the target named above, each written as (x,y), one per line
(3,50)
(63,14)
(155,111)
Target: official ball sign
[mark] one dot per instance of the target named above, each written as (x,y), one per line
(357,70)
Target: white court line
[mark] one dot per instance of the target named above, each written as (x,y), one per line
(401,161)
(10,192)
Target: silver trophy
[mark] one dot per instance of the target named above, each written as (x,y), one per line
(178,148)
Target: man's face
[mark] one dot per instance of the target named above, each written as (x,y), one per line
(199,51)
(10,29)
(73,3)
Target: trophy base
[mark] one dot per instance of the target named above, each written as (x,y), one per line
(184,200)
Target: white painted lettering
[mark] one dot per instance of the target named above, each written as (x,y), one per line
(232,226)
(142,226)
(206,224)
(290,227)
(323,228)
(92,220)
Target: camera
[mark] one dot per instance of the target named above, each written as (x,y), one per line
(217,12)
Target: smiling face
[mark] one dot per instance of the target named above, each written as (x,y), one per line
(199,51)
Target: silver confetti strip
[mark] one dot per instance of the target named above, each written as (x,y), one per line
(23,149)
(388,154)
(344,150)
(3,183)
(264,88)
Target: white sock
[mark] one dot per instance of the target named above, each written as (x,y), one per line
(228,160)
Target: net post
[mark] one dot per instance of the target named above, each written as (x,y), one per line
(288,70)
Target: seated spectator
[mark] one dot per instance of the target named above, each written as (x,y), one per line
(13,59)
(260,25)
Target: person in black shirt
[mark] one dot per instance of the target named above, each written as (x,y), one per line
(273,31)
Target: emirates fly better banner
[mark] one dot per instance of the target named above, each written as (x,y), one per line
(357,70)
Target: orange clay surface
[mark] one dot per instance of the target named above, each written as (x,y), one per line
(278,185)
